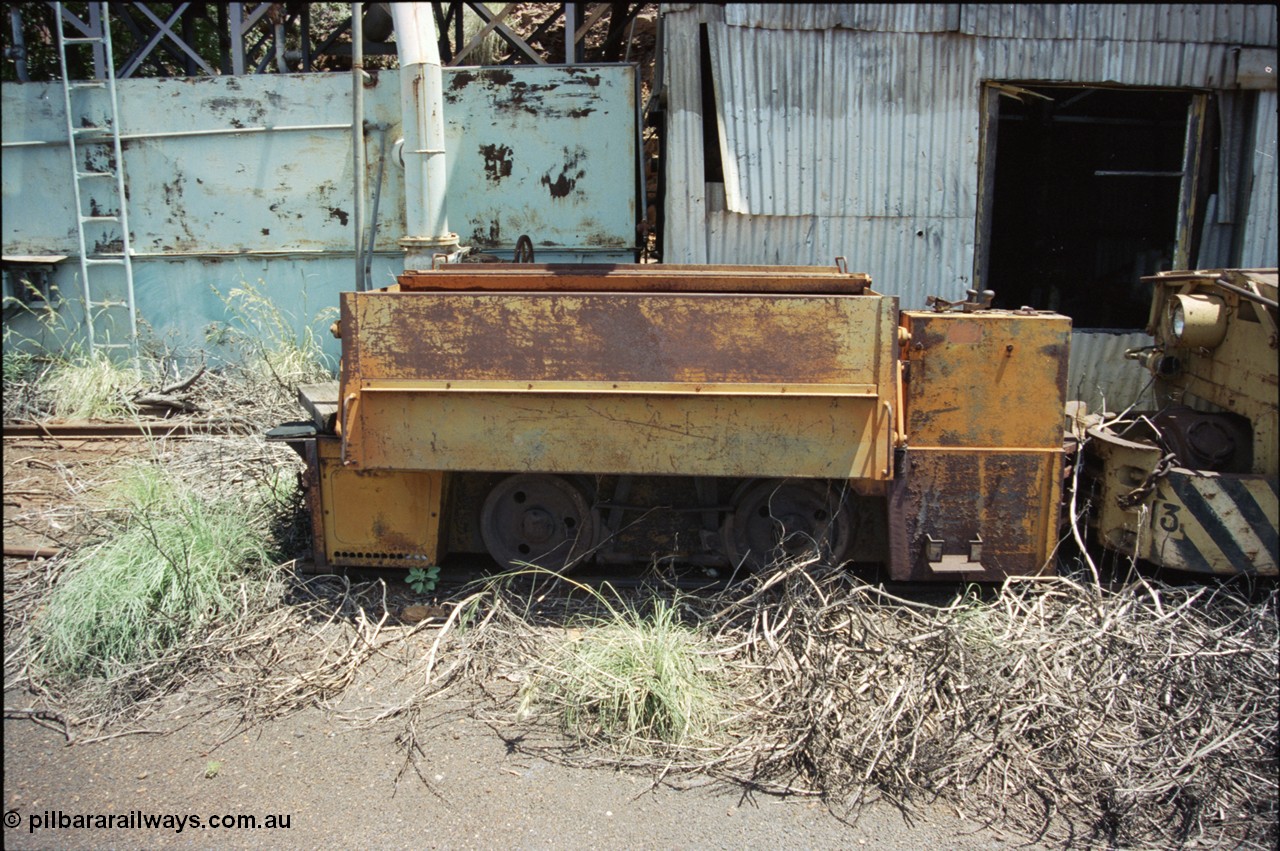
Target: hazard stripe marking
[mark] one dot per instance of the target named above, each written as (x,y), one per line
(1184,487)
(1248,495)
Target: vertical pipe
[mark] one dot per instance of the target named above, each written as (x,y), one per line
(422,103)
(570,24)
(19,45)
(357,137)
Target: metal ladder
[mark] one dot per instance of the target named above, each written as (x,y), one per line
(105,170)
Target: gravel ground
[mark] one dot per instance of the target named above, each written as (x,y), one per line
(337,786)
(484,784)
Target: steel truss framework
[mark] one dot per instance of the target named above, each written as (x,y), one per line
(175,39)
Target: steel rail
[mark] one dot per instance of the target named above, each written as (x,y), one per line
(116,431)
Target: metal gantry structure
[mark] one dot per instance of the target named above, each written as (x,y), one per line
(192,39)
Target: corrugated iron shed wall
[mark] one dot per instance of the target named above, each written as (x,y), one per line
(854,130)
(1259,248)
(1225,23)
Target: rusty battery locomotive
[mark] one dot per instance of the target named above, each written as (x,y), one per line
(1191,483)
(715,415)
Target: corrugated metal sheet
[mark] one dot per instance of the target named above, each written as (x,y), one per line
(870,17)
(1235,23)
(684,232)
(843,123)
(1260,246)
(909,258)
(1099,374)
(1179,65)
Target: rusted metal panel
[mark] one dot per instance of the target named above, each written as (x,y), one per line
(999,506)
(551,155)
(717,384)
(378,518)
(678,434)
(1191,520)
(263,162)
(1238,373)
(1214,523)
(993,379)
(670,278)
(623,337)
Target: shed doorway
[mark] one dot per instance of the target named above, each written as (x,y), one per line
(1086,190)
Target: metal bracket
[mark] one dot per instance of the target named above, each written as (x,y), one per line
(940,563)
(974,302)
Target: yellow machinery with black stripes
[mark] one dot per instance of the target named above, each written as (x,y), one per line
(1192,484)
(710,415)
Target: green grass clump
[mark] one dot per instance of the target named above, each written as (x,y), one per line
(272,343)
(92,387)
(632,681)
(176,568)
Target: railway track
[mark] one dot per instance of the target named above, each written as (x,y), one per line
(119,430)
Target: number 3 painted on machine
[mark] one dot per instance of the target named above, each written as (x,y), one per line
(1169,520)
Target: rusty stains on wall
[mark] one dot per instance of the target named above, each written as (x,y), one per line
(497,162)
(570,174)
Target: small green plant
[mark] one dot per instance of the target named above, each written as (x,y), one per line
(423,580)
(633,680)
(211,769)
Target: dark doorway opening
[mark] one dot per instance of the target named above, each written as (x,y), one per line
(1085,198)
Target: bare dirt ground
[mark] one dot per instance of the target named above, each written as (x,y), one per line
(480,780)
(484,785)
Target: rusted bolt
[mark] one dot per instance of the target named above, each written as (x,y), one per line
(1008,350)
(919,347)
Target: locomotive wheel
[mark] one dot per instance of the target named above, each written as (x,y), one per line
(537,519)
(775,519)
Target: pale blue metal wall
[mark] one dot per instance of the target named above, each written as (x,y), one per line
(550,152)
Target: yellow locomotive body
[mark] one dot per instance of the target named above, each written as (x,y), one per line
(1192,484)
(724,415)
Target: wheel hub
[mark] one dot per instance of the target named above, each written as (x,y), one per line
(787,519)
(542,520)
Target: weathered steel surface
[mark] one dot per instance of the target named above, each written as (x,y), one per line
(552,154)
(679,434)
(1184,519)
(1010,500)
(622,383)
(246,185)
(622,337)
(984,406)
(991,379)
(671,278)
(375,518)
(1238,375)
(1214,523)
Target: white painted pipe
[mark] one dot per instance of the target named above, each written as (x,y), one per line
(422,102)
